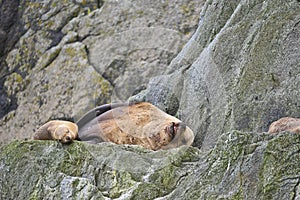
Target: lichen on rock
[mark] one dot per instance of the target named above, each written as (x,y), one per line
(58,54)
(240,166)
(236,74)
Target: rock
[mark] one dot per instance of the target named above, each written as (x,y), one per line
(75,55)
(245,166)
(137,41)
(240,166)
(23,82)
(238,71)
(11,28)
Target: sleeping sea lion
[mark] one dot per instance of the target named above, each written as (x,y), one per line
(285,124)
(138,124)
(63,131)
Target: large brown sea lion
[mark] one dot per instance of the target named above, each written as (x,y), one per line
(138,124)
(285,124)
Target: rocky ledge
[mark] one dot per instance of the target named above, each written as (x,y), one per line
(240,166)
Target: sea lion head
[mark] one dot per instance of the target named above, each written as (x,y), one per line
(153,128)
(183,136)
(63,131)
(172,132)
(288,124)
(64,134)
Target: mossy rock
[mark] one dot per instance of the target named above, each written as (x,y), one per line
(241,166)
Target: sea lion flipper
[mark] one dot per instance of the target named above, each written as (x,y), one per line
(43,133)
(50,128)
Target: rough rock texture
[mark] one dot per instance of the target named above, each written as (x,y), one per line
(240,70)
(62,58)
(241,166)
(10,32)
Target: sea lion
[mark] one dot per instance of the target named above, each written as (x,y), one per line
(137,124)
(285,124)
(63,131)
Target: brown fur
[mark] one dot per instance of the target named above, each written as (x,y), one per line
(63,131)
(285,124)
(138,124)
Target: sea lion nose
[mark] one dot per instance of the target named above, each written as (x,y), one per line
(68,138)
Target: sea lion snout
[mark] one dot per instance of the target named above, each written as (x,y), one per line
(64,134)
(176,128)
(186,134)
(180,126)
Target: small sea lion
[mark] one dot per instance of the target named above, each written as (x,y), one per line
(285,124)
(137,124)
(63,131)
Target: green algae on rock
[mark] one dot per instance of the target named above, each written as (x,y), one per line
(53,49)
(57,170)
(240,166)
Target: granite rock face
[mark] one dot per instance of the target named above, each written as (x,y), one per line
(240,70)
(62,58)
(240,166)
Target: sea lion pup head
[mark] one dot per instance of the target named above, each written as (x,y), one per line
(140,124)
(63,131)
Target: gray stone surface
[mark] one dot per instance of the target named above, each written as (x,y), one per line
(240,166)
(240,70)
